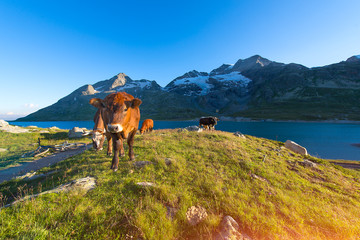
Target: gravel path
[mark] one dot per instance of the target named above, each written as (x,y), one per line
(10,173)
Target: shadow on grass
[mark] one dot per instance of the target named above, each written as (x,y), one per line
(57,136)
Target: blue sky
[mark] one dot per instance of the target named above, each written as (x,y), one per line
(50,48)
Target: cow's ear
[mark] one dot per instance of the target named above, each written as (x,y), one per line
(133,103)
(97,102)
(136,102)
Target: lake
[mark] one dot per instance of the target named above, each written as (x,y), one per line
(325,140)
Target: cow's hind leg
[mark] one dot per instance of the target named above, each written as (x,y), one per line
(130,141)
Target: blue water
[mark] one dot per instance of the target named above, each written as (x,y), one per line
(325,140)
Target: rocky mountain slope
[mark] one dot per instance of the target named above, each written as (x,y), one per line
(254,87)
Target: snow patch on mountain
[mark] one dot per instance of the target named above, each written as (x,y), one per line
(135,84)
(233,76)
(204,84)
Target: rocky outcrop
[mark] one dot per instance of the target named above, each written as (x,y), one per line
(195,215)
(6,127)
(229,230)
(293,146)
(193,129)
(77,132)
(3,123)
(239,134)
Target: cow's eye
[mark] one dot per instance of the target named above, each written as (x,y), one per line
(125,109)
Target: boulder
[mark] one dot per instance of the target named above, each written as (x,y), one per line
(4,126)
(77,132)
(3,149)
(194,129)
(140,164)
(195,215)
(169,161)
(146,184)
(3,123)
(307,163)
(229,230)
(293,146)
(239,134)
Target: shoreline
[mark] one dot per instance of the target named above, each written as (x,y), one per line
(225,119)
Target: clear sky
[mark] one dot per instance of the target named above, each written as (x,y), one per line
(50,48)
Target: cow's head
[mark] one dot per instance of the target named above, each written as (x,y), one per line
(98,140)
(117,108)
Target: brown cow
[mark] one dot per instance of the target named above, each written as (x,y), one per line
(121,113)
(147,126)
(99,132)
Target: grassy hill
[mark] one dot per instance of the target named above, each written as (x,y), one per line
(262,185)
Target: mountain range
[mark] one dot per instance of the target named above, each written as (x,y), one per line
(255,87)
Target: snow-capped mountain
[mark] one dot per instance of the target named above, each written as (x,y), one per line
(196,83)
(122,82)
(252,87)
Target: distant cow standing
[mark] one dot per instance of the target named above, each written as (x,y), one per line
(147,126)
(208,122)
(122,114)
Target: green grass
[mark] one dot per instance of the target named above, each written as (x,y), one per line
(20,143)
(210,169)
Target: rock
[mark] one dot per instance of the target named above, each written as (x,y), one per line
(77,132)
(32,127)
(54,128)
(3,123)
(295,147)
(239,134)
(82,184)
(195,215)
(146,184)
(170,212)
(229,230)
(308,163)
(33,175)
(258,177)
(12,129)
(141,164)
(44,131)
(3,149)
(169,161)
(182,130)
(194,129)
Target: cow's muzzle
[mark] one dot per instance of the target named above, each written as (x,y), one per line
(115,128)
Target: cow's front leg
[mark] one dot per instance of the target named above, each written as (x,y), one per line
(110,144)
(116,145)
(130,141)
(122,152)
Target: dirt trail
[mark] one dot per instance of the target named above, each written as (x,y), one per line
(10,173)
(348,165)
